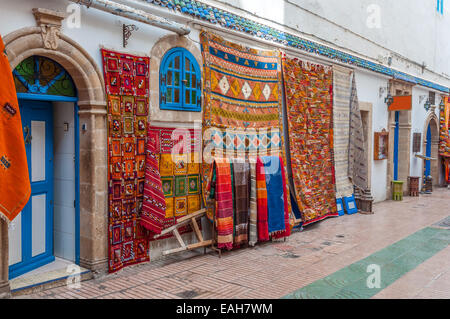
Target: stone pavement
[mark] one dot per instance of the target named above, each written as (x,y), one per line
(275,270)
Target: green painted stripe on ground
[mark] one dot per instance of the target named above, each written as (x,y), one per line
(395,261)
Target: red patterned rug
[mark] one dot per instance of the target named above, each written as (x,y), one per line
(127,89)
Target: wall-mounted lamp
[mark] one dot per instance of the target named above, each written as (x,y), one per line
(427,105)
(389,99)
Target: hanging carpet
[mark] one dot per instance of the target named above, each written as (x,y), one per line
(178,153)
(357,154)
(341,129)
(308,92)
(242,116)
(444,131)
(14,179)
(127,89)
(241,179)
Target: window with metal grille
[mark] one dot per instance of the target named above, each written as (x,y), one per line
(180,82)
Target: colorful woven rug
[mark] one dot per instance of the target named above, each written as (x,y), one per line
(152,215)
(341,129)
(308,92)
(127,89)
(14,178)
(444,131)
(242,116)
(288,225)
(178,152)
(241,179)
(357,154)
(253,227)
(275,194)
(261,196)
(224,204)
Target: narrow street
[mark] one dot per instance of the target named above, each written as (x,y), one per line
(326,260)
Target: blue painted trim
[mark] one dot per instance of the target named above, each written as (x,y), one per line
(228,20)
(347,201)
(77,183)
(169,57)
(51,98)
(396,137)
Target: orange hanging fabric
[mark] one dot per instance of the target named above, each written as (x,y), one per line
(15,186)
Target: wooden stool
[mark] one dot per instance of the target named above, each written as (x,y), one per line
(413,182)
(397,190)
(192,219)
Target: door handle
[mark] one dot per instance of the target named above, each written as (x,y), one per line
(28,136)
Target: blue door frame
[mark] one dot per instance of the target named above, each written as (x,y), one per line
(38,99)
(396,136)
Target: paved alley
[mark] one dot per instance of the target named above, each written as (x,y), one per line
(319,262)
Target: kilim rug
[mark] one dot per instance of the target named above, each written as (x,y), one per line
(178,152)
(357,154)
(152,215)
(253,228)
(341,129)
(308,92)
(275,194)
(14,179)
(127,89)
(224,204)
(261,198)
(287,228)
(242,116)
(241,179)
(444,131)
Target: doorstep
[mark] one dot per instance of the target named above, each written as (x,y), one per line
(46,277)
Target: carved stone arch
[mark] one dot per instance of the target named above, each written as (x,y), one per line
(86,75)
(432,120)
(157,54)
(89,82)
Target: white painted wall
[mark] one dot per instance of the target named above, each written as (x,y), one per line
(411,31)
(368,85)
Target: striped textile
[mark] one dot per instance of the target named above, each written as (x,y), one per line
(275,194)
(261,195)
(241,179)
(154,205)
(224,204)
(253,232)
(357,154)
(242,94)
(341,129)
(287,231)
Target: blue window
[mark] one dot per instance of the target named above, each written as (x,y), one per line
(180,82)
(440,6)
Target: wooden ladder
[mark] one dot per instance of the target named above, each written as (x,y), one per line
(192,218)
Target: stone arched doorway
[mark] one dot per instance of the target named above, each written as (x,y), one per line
(88,80)
(431,147)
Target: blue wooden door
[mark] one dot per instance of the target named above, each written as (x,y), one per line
(31,235)
(428,152)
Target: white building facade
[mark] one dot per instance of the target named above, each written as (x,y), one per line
(395,47)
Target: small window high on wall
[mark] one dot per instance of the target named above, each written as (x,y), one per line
(440,6)
(180,82)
